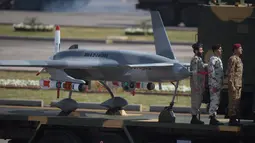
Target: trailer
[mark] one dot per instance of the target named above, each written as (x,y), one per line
(42,125)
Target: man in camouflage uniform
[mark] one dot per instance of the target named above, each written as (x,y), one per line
(235,72)
(215,81)
(196,82)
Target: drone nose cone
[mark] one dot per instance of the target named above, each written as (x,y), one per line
(181,71)
(185,72)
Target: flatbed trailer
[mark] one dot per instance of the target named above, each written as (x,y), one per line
(41,125)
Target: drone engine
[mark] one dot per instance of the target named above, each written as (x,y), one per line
(130,86)
(150,86)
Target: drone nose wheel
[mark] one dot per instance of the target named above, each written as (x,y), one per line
(167,115)
(115,105)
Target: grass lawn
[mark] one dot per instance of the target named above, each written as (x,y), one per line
(49,95)
(22,75)
(97,33)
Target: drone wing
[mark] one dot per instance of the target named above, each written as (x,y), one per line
(77,64)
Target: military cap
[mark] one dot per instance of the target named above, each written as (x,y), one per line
(236,46)
(197,45)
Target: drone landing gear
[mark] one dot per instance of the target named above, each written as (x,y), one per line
(67,105)
(167,115)
(115,105)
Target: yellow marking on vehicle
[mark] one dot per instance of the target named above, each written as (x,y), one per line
(75,114)
(113,124)
(41,119)
(229,128)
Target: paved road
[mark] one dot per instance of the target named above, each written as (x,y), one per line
(41,50)
(94,19)
(75,19)
(109,6)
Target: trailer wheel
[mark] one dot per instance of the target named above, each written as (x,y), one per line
(59,137)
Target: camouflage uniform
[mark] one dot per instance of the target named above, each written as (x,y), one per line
(235,72)
(196,83)
(215,81)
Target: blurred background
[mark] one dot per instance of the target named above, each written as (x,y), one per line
(174,12)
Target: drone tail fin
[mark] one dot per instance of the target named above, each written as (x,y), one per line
(162,43)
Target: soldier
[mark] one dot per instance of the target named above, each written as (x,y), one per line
(235,72)
(196,81)
(215,82)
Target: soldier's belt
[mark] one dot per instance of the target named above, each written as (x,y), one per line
(203,73)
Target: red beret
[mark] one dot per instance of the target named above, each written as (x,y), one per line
(236,46)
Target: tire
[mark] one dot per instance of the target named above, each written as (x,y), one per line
(59,137)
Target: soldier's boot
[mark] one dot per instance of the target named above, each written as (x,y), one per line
(195,120)
(233,121)
(214,121)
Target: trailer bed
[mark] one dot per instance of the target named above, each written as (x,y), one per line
(22,123)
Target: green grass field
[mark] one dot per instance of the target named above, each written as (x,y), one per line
(97,33)
(22,75)
(48,95)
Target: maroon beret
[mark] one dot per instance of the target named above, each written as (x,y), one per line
(236,46)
